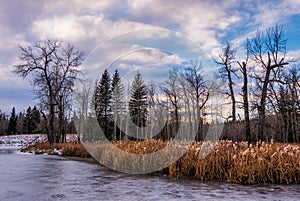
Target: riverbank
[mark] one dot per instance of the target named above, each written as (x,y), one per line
(44,177)
(275,163)
(37,144)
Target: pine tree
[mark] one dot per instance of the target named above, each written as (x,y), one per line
(20,122)
(36,120)
(102,101)
(31,120)
(3,123)
(27,121)
(117,104)
(12,126)
(138,101)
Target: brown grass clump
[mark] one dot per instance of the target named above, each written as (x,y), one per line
(141,147)
(65,149)
(238,163)
(75,150)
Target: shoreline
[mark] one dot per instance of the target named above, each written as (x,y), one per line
(229,162)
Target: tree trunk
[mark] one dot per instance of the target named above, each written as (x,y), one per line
(51,120)
(233,102)
(245,101)
(262,106)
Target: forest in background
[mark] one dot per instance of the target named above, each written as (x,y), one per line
(28,121)
(259,80)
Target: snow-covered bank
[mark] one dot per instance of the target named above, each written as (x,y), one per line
(19,141)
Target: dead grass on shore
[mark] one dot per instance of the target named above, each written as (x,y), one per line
(229,162)
(238,163)
(65,149)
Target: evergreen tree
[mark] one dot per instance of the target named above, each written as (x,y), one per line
(31,121)
(27,121)
(102,101)
(3,123)
(20,122)
(12,126)
(36,120)
(117,104)
(138,101)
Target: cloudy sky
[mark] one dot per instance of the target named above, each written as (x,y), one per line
(88,23)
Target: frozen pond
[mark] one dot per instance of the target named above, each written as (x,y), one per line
(41,177)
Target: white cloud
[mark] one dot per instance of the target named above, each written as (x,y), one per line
(70,27)
(10,80)
(172,59)
(153,56)
(10,40)
(75,28)
(126,58)
(266,15)
(293,56)
(152,73)
(280,12)
(198,20)
(79,6)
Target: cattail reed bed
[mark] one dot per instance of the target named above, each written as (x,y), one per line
(240,163)
(233,162)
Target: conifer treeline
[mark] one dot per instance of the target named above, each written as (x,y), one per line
(25,122)
(129,118)
(110,105)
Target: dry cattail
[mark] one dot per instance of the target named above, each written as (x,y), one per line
(246,152)
(273,155)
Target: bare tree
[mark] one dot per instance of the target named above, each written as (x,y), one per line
(67,59)
(198,90)
(243,68)
(157,112)
(268,52)
(227,73)
(52,69)
(172,93)
(83,95)
(244,71)
(294,89)
(288,106)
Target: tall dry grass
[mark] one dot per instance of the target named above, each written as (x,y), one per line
(231,162)
(228,161)
(238,163)
(65,149)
